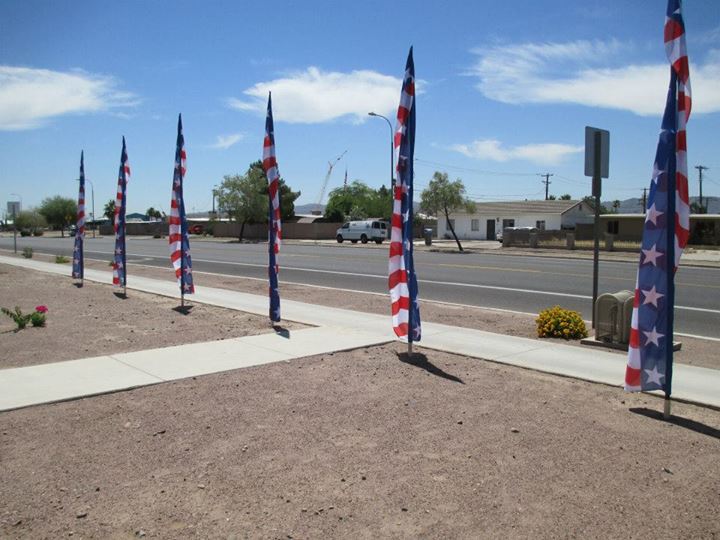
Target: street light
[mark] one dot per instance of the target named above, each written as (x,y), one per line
(392,149)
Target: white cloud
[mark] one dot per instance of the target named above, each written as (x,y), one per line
(314,96)
(588,73)
(543,154)
(223,142)
(29,97)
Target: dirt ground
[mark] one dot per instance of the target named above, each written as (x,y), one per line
(695,352)
(362,444)
(94,321)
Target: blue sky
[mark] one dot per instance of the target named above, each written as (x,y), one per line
(506,89)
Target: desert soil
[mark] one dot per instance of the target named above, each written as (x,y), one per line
(93,320)
(361,444)
(694,352)
(358,444)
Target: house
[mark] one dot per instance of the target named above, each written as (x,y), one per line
(704,228)
(491,217)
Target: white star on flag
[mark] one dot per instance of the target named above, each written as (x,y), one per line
(652,296)
(654,375)
(416,332)
(653,214)
(651,255)
(653,337)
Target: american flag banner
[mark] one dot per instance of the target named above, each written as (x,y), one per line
(119,269)
(274,223)
(78,267)
(402,281)
(666,229)
(178,229)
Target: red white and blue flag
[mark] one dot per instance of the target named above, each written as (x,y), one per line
(119,267)
(402,281)
(78,267)
(666,230)
(274,223)
(178,229)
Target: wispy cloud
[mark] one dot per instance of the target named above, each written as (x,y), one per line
(315,96)
(30,97)
(587,73)
(223,142)
(493,150)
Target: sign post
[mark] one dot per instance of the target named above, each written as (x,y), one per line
(597,154)
(13,207)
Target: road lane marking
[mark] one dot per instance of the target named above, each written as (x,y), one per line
(422,300)
(433,282)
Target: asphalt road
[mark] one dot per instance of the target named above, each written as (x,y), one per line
(526,284)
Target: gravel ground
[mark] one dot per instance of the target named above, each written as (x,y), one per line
(93,321)
(362,444)
(358,444)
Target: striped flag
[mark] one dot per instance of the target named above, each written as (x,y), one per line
(78,267)
(178,230)
(666,229)
(119,269)
(274,224)
(401,272)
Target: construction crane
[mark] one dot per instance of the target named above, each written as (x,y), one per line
(331,165)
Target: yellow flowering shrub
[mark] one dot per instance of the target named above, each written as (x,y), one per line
(560,322)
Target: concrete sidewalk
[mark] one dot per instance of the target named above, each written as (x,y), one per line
(337,329)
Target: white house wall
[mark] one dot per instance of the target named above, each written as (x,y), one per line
(582,213)
(463,224)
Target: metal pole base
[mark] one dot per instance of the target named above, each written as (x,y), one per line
(409,349)
(667,409)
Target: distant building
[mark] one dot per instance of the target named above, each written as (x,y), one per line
(491,217)
(704,228)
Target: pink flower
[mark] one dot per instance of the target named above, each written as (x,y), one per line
(41,309)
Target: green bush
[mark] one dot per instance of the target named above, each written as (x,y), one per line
(562,323)
(28,253)
(25,232)
(61,259)
(20,319)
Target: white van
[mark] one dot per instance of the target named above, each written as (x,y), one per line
(363,231)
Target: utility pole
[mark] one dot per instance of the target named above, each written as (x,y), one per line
(700,169)
(547,183)
(644,200)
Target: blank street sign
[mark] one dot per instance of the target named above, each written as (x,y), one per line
(590,151)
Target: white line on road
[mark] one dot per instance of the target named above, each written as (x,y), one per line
(433,282)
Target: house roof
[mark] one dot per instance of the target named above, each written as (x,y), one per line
(524,207)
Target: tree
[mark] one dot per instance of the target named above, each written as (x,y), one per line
(590,201)
(358,201)
(552,198)
(615,205)
(565,197)
(152,213)
(30,220)
(245,197)
(59,212)
(443,196)
(109,210)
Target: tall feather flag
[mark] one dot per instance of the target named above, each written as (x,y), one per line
(178,229)
(666,229)
(119,267)
(274,223)
(78,267)
(402,281)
